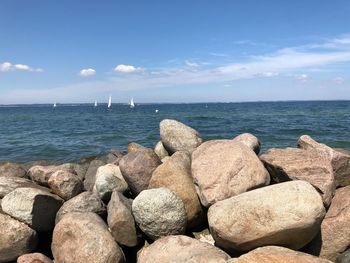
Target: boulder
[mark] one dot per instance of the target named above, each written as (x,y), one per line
(181,249)
(135,147)
(84,202)
(35,207)
(34,258)
(114,156)
(274,254)
(175,174)
(287,214)
(297,164)
(159,212)
(84,237)
(160,150)
(65,184)
(225,168)
(9,169)
(109,178)
(121,221)
(137,168)
(16,238)
(41,174)
(177,136)
(8,184)
(340,160)
(249,140)
(80,170)
(344,257)
(90,175)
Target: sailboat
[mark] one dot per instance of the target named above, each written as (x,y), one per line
(54,105)
(109,101)
(132,105)
(95,105)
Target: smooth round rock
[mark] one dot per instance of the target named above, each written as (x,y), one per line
(250,141)
(65,184)
(159,212)
(41,174)
(34,258)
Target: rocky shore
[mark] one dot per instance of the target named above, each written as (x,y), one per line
(186,200)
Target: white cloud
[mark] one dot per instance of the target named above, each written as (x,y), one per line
(338,80)
(7,66)
(87,72)
(266,74)
(302,77)
(127,69)
(191,64)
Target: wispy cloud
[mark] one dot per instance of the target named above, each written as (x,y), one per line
(191,64)
(7,66)
(127,69)
(338,80)
(302,77)
(88,72)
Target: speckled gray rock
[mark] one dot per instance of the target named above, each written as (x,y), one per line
(177,136)
(160,150)
(225,168)
(41,174)
(249,140)
(8,184)
(178,249)
(137,168)
(109,178)
(159,212)
(16,238)
(90,175)
(65,184)
(84,237)
(287,214)
(34,258)
(84,202)
(35,207)
(121,221)
(9,169)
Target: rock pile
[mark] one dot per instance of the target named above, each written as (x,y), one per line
(186,200)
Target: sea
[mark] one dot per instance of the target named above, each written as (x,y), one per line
(70,132)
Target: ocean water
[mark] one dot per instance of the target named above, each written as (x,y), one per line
(70,132)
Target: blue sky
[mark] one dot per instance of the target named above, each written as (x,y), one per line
(173,51)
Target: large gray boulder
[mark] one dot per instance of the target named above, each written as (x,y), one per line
(181,249)
(65,184)
(297,164)
(84,237)
(8,184)
(225,168)
(35,207)
(177,136)
(339,159)
(16,238)
(90,175)
(250,141)
(287,214)
(9,169)
(159,212)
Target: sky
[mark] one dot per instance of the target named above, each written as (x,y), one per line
(173,51)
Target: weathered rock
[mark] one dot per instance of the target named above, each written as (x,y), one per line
(16,238)
(109,178)
(114,156)
(8,184)
(204,236)
(121,221)
(175,174)
(135,147)
(9,169)
(344,257)
(249,140)
(84,237)
(177,136)
(160,150)
(159,212)
(35,207)
(181,249)
(274,254)
(80,170)
(65,184)
(41,174)
(34,258)
(90,175)
(287,214)
(340,160)
(225,168)
(84,202)
(297,164)
(137,168)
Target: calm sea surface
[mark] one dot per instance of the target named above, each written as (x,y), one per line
(70,132)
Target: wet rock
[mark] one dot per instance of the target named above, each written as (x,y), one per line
(16,238)
(297,164)
(160,150)
(35,207)
(287,214)
(121,221)
(225,168)
(340,160)
(8,184)
(175,174)
(159,212)
(41,174)
(84,237)
(249,140)
(9,169)
(177,136)
(65,184)
(137,168)
(34,258)
(84,202)
(181,249)
(90,175)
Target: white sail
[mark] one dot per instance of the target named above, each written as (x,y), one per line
(132,105)
(110,101)
(95,103)
(54,105)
